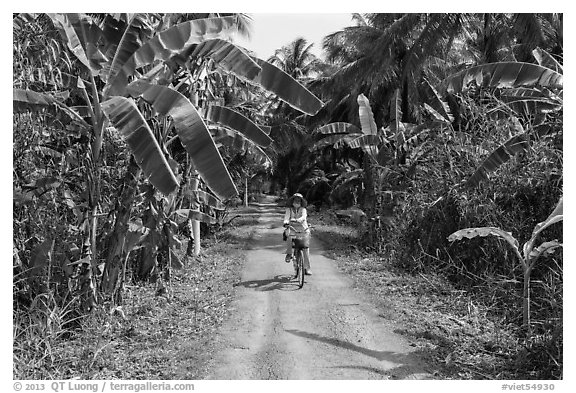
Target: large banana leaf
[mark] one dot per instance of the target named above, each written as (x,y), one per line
(126,118)
(167,44)
(367,122)
(501,155)
(238,122)
(338,128)
(276,81)
(504,75)
(193,134)
(230,57)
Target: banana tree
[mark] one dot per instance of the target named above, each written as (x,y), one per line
(139,65)
(525,90)
(135,64)
(530,254)
(386,149)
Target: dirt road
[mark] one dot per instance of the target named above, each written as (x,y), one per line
(323,331)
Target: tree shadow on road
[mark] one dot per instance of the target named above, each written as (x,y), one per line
(408,363)
(282,282)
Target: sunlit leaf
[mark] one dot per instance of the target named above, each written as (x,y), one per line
(367,122)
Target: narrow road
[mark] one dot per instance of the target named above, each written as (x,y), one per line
(322,331)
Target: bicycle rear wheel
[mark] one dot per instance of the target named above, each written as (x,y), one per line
(300,264)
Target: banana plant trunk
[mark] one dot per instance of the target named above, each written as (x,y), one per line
(369,197)
(195,223)
(246,191)
(116,254)
(526,298)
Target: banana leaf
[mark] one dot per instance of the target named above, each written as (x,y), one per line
(276,81)
(557,215)
(237,141)
(366,116)
(504,75)
(63,23)
(191,214)
(24,100)
(470,233)
(127,119)
(228,56)
(531,100)
(338,128)
(545,59)
(238,122)
(437,103)
(123,44)
(193,134)
(516,144)
(169,43)
(336,140)
(544,248)
(204,198)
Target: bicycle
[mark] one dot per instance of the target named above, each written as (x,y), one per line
(298,244)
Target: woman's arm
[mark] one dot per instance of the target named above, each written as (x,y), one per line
(303,217)
(287,216)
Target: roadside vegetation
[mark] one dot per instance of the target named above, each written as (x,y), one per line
(437,137)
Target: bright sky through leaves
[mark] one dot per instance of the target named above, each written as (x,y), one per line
(271,31)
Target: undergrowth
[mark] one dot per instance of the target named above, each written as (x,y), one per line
(148,336)
(464,333)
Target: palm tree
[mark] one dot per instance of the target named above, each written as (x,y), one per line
(296,59)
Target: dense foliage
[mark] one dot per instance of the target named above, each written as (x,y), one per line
(127,128)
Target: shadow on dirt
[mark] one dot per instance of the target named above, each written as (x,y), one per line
(283,282)
(405,361)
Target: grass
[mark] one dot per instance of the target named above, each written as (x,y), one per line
(457,332)
(171,337)
(148,337)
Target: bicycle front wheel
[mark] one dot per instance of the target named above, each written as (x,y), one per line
(300,273)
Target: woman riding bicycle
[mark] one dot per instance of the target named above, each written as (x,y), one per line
(295,217)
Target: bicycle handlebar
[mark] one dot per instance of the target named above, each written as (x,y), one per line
(288,226)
